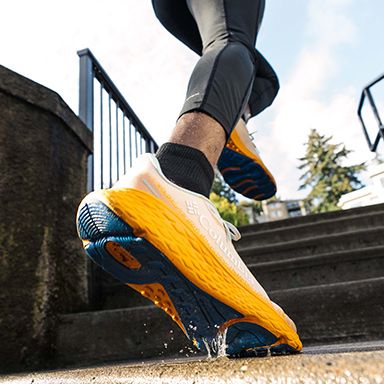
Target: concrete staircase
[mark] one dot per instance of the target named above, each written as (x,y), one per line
(326,271)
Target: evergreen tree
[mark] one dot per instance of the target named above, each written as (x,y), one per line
(325,174)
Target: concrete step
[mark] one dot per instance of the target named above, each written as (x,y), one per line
(341,312)
(303,231)
(121,334)
(329,268)
(326,244)
(117,295)
(310,219)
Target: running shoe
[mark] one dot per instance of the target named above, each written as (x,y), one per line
(242,168)
(171,245)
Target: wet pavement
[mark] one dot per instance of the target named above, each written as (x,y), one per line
(363,363)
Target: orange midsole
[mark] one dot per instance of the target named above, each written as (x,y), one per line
(235,143)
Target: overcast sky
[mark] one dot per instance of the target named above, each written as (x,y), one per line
(324,51)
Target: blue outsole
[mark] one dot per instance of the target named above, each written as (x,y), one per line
(260,186)
(200,313)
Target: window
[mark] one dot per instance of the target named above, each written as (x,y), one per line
(293,205)
(276,214)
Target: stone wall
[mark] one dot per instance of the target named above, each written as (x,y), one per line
(43,271)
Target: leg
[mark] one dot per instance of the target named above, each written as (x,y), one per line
(220,84)
(224,31)
(178,20)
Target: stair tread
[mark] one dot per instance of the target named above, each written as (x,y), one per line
(363,253)
(152,307)
(326,216)
(312,225)
(310,240)
(336,285)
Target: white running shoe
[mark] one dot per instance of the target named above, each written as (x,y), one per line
(172,246)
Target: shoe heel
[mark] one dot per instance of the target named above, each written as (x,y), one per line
(95,220)
(111,244)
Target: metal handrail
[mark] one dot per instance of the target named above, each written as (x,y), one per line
(366,93)
(91,71)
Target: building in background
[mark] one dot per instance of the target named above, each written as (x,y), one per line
(273,210)
(283,209)
(369,195)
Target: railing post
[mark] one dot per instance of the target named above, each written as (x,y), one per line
(86,113)
(148,145)
(366,94)
(86,102)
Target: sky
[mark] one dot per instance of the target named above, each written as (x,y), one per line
(324,52)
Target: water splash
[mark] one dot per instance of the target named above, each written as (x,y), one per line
(221,343)
(217,346)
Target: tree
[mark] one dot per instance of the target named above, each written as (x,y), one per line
(325,174)
(222,189)
(229,211)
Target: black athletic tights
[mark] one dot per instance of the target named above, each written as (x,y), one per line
(231,73)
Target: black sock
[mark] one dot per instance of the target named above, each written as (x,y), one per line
(187,167)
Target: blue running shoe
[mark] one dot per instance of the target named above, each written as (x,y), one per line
(242,168)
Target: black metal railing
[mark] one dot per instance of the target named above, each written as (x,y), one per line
(119,135)
(367,94)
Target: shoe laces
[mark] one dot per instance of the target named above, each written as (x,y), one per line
(252,138)
(232,232)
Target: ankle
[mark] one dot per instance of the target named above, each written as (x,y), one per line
(187,167)
(202,132)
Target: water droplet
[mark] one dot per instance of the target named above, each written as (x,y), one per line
(165,345)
